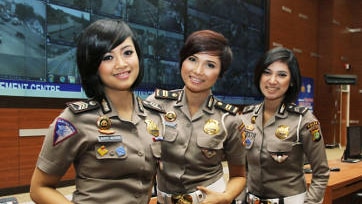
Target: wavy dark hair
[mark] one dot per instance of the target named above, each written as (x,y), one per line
(211,42)
(286,56)
(94,42)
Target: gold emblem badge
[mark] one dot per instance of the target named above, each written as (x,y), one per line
(282,132)
(211,127)
(181,199)
(170,116)
(152,127)
(104,125)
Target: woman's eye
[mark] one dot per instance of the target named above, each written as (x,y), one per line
(128,52)
(282,74)
(266,72)
(192,59)
(211,65)
(107,57)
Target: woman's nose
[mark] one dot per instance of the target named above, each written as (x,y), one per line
(120,62)
(198,68)
(273,79)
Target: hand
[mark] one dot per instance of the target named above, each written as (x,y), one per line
(213,197)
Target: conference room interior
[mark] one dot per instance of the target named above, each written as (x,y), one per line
(325,35)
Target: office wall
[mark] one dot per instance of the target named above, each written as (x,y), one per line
(313,29)
(316,31)
(336,48)
(19,153)
(355,59)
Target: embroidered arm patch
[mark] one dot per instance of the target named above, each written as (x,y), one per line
(63,130)
(314,130)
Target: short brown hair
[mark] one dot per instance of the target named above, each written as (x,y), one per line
(208,41)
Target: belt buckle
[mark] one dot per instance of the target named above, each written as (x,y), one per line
(181,199)
(256,200)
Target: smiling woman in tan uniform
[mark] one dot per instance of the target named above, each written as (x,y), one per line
(110,138)
(200,130)
(277,134)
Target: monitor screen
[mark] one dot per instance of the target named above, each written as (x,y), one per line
(353,148)
(38,43)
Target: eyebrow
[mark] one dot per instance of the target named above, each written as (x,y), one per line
(122,48)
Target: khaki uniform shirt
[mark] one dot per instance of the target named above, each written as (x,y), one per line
(113,158)
(193,148)
(275,153)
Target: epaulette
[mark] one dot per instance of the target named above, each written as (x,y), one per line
(227,107)
(248,109)
(166,94)
(152,105)
(296,109)
(82,106)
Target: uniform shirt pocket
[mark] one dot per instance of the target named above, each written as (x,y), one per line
(210,145)
(170,134)
(156,149)
(210,141)
(280,150)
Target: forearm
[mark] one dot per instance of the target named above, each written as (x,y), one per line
(43,188)
(234,187)
(45,195)
(316,190)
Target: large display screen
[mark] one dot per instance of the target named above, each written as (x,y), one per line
(38,39)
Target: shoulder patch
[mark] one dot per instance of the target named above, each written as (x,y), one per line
(63,130)
(166,94)
(297,109)
(82,106)
(314,129)
(153,106)
(227,107)
(248,109)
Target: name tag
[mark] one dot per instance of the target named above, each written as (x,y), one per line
(110,138)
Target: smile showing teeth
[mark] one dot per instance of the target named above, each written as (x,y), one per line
(122,75)
(272,88)
(195,80)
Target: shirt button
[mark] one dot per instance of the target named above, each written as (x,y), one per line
(140,154)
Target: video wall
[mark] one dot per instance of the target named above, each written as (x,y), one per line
(38,39)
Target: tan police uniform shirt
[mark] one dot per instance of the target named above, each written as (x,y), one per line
(114,162)
(194,147)
(275,154)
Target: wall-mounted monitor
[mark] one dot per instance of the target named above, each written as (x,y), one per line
(38,42)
